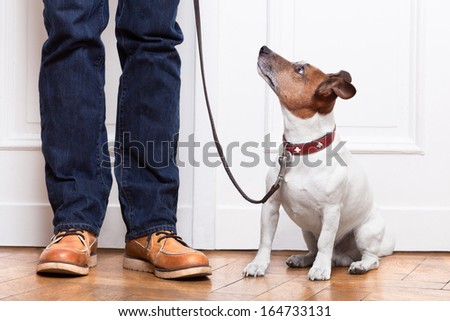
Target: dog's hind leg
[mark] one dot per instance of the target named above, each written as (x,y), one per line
(368,238)
(300,261)
(345,251)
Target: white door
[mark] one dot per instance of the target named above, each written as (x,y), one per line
(25,214)
(397,124)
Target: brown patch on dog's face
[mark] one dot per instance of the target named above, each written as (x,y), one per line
(302,88)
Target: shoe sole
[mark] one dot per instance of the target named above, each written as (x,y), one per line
(144,266)
(67,268)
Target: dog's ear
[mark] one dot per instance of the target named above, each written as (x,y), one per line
(342,74)
(338,84)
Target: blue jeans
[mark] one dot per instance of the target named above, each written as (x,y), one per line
(74,140)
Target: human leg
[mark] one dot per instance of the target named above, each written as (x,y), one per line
(73,111)
(146,139)
(148,114)
(72,102)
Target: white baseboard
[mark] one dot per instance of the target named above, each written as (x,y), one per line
(418,228)
(414,228)
(31,225)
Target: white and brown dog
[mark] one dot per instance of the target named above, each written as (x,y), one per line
(329,197)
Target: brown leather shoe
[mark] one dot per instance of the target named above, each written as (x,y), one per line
(166,255)
(71,252)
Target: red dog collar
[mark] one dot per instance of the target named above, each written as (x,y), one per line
(311,147)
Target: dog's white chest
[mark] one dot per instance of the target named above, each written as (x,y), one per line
(304,211)
(306,190)
(302,197)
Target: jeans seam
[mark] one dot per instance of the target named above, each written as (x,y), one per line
(99,131)
(98,64)
(121,37)
(101,13)
(123,178)
(47,20)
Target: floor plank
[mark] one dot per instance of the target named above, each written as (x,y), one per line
(403,276)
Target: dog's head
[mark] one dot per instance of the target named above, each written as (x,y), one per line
(302,88)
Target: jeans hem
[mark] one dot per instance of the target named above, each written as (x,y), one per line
(82,226)
(146,232)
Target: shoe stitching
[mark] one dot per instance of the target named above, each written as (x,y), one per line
(167,235)
(160,237)
(74,232)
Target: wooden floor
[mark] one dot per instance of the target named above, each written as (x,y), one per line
(402,276)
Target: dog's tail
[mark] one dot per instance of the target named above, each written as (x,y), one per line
(387,246)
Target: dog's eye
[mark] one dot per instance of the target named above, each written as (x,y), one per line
(300,69)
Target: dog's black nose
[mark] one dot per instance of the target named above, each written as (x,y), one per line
(264,50)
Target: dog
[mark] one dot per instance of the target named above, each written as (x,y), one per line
(328,197)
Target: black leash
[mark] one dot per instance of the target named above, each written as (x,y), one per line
(282,159)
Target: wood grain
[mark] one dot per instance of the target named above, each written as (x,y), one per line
(401,277)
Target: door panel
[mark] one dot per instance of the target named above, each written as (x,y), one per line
(396,124)
(25,215)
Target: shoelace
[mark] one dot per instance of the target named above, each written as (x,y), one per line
(167,235)
(75,232)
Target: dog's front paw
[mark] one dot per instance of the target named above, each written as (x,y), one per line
(256,268)
(319,273)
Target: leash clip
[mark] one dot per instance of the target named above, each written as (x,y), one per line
(284,160)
